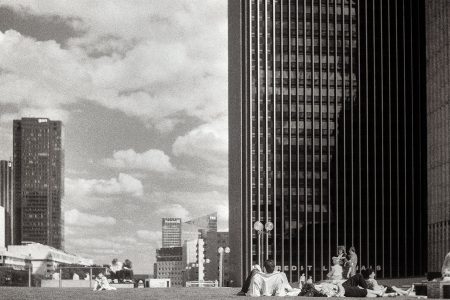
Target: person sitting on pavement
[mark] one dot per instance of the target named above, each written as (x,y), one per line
(271,283)
(356,286)
(246,285)
(336,270)
(115,270)
(127,270)
(101,283)
(372,283)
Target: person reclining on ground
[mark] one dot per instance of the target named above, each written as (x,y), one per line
(356,286)
(372,284)
(271,283)
(101,283)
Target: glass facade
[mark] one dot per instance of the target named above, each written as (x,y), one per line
(438,127)
(171,232)
(38,161)
(327,133)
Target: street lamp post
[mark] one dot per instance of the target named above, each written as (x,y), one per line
(259,227)
(221,251)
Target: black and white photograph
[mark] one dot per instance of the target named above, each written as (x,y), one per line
(219,149)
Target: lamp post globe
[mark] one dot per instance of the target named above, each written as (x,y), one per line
(227,250)
(269,226)
(258,226)
(220,250)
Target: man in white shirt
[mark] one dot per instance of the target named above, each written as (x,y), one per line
(116,270)
(271,283)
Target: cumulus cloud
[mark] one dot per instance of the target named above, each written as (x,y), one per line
(173,211)
(123,184)
(96,243)
(161,64)
(33,112)
(76,218)
(138,58)
(147,235)
(151,160)
(208,141)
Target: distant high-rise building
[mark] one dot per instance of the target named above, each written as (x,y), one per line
(38,164)
(204,223)
(6,198)
(438,127)
(171,232)
(199,227)
(327,126)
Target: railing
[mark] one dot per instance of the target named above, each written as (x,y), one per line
(73,277)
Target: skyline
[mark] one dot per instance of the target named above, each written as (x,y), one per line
(135,140)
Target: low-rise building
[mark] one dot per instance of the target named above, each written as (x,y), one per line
(45,259)
(169,264)
(15,261)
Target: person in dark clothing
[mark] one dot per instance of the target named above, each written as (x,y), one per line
(127,270)
(356,286)
(248,280)
(372,284)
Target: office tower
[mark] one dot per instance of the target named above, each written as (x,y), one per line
(171,232)
(327,134)
(438,136)
(38,161)
(6,198)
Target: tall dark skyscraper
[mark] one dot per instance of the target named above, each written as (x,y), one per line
(38,181)
(327,134)
(6,198)
(438,127)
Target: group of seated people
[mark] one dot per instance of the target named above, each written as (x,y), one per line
(275,283)
(120,272)
(117,272)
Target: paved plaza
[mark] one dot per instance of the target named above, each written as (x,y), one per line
(172,293)
(22,293)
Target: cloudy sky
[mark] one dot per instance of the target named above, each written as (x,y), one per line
(141,87)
